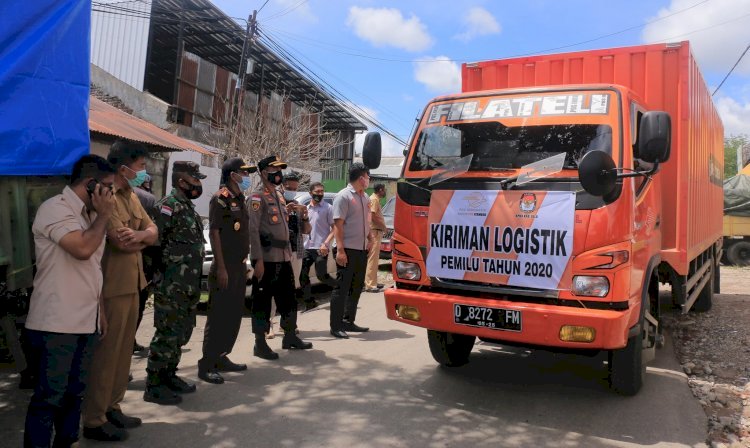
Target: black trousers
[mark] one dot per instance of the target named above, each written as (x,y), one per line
(224,315)
(277,284)
(310,258)
(62,373)
(349,282)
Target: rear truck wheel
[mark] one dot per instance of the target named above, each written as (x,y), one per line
(705,297)
(450,349)
(739,253)
(627,366)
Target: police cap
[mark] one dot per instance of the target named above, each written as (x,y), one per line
(271,161)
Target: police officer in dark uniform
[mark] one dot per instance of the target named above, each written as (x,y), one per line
(178,288)
(230,240)
(271,255)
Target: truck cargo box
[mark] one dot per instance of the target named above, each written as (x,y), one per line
(661,77)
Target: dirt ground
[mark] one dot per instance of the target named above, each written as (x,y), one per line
(714,350)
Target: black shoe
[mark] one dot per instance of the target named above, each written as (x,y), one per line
(374,290)
(105,433)
(138,347)
(211,376)
(341,334)
(293,341)
(354,328)
(162,395)
(263,351)
(122,421)
(177,384)
(225,365)
(381,285)
(311,305)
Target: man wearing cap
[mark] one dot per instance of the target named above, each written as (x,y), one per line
(178,289)
(230,241)
(271,255)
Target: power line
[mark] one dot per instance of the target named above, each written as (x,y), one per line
(327,87)
(731,70)
(286,11)
(312,61)
(263,6)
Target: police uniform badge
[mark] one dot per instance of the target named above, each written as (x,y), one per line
(255,202)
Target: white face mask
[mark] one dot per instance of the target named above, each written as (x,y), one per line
(289,195)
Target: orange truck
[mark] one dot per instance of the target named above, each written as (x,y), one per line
(543,205)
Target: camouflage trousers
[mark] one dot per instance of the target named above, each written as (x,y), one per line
(174,319)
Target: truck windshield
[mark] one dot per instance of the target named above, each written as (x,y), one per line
(492,146)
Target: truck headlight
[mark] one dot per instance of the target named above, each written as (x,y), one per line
(590,286)
(408,271)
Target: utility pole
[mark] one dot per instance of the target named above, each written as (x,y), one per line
(178,62)
(237,96)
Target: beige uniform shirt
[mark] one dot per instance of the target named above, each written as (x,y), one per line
(66,290)
(269,230)
(378,222)
(123,271)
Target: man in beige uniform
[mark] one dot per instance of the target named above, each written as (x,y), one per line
(377,227)
(271,254)
(129,231)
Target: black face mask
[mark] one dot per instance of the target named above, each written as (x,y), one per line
(275,178)
(194,192)
(317,197)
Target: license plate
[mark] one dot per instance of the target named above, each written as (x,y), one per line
(484,317)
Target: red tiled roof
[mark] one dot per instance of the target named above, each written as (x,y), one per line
(108,120)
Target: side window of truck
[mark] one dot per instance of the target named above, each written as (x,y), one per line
(636,113)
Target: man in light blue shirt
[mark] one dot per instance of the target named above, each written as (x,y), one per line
(317,246)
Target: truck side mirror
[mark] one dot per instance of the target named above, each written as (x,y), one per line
(654,137)
(597,173)
(371,150)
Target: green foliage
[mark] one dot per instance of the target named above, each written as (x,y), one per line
(732,144)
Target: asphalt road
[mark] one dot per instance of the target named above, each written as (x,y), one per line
(382,389)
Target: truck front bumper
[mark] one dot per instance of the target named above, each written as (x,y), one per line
(540,324)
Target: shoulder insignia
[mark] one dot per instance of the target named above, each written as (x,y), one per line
(165,210)
(255,201)
(221,203)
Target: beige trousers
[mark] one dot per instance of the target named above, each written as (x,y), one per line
(373,258)
(110,365)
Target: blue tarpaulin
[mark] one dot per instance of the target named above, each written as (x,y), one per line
(44,85)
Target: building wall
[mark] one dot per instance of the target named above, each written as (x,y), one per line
(119,38)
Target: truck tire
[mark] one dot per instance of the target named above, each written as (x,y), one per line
(626,368)
(739,253)
(450,349)
(705,298)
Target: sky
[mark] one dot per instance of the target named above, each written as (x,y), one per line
(390,58)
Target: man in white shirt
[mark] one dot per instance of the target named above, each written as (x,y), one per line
(65,309)
(317,245)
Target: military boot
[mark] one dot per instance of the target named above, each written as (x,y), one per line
(177,384)
(291,342)
(157,391)
(262,350)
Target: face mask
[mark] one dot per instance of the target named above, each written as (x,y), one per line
(245,183)
(275,178)
(193,191)
(289,195)
(317,197)
(140,177)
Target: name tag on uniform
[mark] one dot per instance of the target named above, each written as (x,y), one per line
(234,206)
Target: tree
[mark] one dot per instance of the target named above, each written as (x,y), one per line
(295,133)
(732,144)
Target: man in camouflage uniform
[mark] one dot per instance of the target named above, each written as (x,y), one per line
(178,291)
(271,255)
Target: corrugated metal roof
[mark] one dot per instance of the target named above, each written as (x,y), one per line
(108,120)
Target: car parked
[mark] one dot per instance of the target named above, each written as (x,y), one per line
(302,198)
(388,210)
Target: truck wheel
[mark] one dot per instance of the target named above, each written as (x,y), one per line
(705,297)
(450,349)
(739,253)
(626,368)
